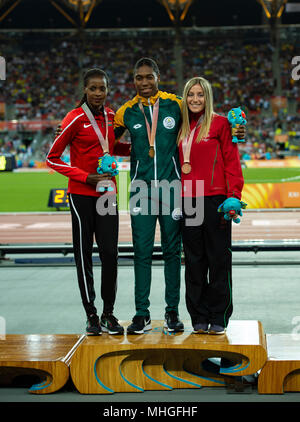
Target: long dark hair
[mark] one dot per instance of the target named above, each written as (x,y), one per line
(90,74)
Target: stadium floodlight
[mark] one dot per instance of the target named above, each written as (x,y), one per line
(76,3)
(179,7)
(83,8)
(10,9)
(273,8)
(177,10)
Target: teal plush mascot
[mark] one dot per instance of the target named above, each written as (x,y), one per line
(236,117)
(232,208)
(107,164)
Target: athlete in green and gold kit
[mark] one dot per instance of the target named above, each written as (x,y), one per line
(153,119)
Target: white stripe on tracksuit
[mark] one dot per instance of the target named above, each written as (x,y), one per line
(81,251)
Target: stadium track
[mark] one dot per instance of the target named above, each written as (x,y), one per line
(38,228)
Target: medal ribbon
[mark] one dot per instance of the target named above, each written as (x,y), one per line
(187,142)
(151,134)
(103,141)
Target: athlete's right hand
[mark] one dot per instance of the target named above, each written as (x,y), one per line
(58,131)
(95,178)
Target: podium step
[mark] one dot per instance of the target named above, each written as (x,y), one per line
(158,360)
(281,372)
(46,356)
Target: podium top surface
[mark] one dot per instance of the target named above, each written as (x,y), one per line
(37,347)
(59,346)
(248,333)
(283,346)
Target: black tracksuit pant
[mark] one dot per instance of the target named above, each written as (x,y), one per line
(87,224)
(208,265)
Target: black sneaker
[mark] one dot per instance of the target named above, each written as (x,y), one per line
(172,322)
(200,328)
(139,325)
(216,329)
(110,324)
(93,327)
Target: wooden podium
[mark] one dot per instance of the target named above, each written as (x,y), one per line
(281,372)
(46,356)
(155,360)
(160,361)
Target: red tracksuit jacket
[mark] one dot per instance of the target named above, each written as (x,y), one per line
(215,160)
(85,149)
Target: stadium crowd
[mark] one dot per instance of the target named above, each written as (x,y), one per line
(43,83)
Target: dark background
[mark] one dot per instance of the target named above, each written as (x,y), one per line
(138,13)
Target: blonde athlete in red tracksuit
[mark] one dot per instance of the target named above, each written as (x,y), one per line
(213,159)
(85,149)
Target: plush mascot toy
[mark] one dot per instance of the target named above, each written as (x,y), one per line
(107,164)
(232,208)
(236,117)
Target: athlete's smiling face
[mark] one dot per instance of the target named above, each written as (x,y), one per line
(96,91)
(146,81)
(195,99)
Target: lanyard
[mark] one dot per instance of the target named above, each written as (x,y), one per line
(151,134)
(187,142)
(103,142)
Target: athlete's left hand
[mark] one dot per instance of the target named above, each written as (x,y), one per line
(95,178)
(241,132)
(58,130)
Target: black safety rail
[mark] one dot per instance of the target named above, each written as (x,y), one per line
(126,250)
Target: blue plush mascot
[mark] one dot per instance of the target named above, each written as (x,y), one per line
(232,207)
(236,117)
(107,164)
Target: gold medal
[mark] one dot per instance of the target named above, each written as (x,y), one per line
(186,168)
(151,152)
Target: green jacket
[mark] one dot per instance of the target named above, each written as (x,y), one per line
(165,164)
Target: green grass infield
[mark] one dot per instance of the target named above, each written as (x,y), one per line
(29,191)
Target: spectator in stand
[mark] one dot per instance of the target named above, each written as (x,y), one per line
(240,73)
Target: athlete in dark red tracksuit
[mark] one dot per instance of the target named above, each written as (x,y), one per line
(85,149)
(207,245)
